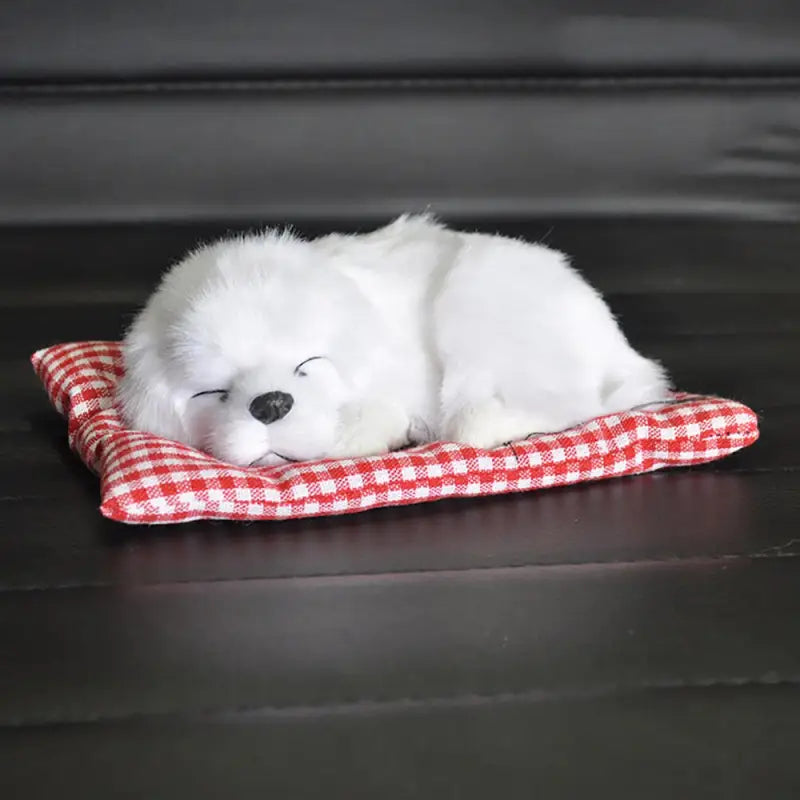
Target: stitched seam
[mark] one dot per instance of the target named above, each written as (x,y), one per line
(407,703)
(769,553)
(293,85)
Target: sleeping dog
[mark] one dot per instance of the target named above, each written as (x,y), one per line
(269,349)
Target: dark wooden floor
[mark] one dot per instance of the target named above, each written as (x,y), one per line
(640,635)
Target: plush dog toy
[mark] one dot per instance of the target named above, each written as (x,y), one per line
(269,349)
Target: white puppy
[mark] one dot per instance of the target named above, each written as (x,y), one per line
(267,349)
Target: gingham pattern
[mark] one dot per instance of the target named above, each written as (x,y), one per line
(146,479)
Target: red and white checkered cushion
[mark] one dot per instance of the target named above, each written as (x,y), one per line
(147,479)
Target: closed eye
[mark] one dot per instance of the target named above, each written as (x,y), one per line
(222,392)
(299,371)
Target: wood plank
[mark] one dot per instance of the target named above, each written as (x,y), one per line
(178,648)
(700,743)
(58,541)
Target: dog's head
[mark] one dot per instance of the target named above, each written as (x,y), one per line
(247,350)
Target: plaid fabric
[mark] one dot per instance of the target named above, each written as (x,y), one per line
(146,479)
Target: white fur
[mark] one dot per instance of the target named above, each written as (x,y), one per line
(425,333)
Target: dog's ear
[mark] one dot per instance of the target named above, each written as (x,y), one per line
(148,401)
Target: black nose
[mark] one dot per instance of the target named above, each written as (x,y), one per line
(271,407)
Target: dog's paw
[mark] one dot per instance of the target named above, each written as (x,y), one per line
(371,429)
(492,424)
(358,443)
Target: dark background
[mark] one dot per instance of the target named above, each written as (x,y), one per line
(630,638)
